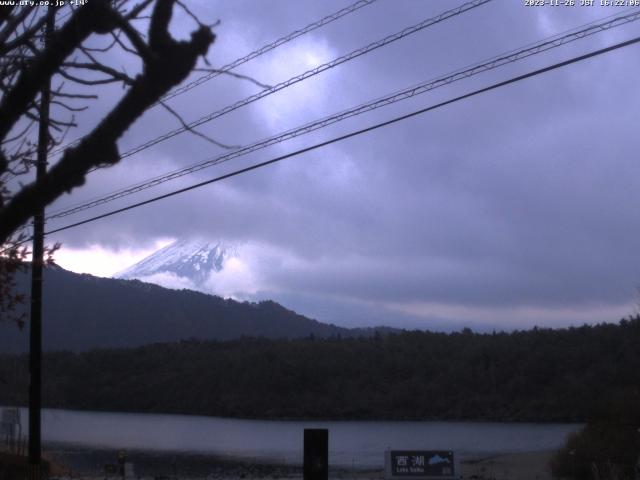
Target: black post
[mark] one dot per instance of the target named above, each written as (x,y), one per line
(316,454)
(35,338)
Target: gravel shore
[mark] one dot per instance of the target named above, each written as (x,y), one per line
(83,464)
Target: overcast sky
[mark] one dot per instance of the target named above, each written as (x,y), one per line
(510,209)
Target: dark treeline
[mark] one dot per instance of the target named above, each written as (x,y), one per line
(538,375)
(81,312)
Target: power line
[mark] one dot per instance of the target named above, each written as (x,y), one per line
(356,133)
(250,56)
(267,48)
(495,62)
(310,73)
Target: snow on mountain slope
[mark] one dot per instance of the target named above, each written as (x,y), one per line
(193,260)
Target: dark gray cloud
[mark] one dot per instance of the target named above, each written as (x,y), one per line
(520,198)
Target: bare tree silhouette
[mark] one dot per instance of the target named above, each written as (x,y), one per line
(78,55)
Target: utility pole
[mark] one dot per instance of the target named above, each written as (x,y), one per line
(35,338)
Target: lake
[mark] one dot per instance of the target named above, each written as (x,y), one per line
(351,443)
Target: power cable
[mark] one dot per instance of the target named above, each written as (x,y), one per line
(372,46)
(308,74)
(495,62)
(267,48)
(356,133)
(250,56)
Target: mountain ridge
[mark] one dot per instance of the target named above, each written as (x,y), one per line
(192,259)
(82,312)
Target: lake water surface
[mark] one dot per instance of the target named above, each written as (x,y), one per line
(358,443)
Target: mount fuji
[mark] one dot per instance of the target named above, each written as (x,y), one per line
(192,260)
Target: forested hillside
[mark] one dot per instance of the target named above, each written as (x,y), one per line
(82,312)
(538,375)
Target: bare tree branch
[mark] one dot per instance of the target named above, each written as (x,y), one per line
(69,108)
(108,47)
(98,67)
(91,18)
(84,81)
(18,135)
(12,24)
(74,95)
(192,130)
(123,46)
(167,63)
(135,11)
(136,40)
(5,13)
(23,37)
(235,75)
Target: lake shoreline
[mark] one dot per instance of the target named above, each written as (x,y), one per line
(196,447)
(329,418)
(74,462)
(84,463)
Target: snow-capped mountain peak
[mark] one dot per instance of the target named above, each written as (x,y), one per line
(190,259)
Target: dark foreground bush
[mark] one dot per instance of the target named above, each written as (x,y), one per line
(608,447)
(15,467)
(600,451)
